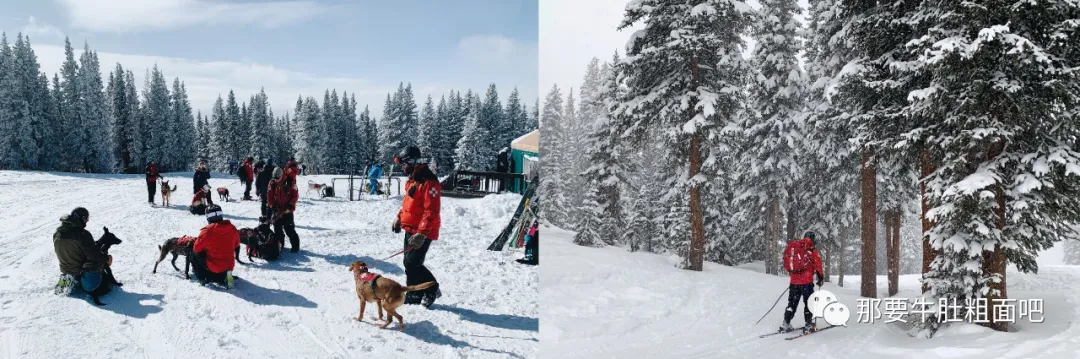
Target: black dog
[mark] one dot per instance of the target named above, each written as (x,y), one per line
(107,279)
(185,247)
(252,237)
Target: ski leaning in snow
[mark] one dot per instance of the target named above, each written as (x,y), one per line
(504,236)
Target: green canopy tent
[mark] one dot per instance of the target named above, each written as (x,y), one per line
(525,152)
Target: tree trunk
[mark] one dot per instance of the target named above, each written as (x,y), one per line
(697,223)
(869,226)
(893,250)
(842,263)
(766,240)
(994,262)
(828,263)
(929,253)
(792,220)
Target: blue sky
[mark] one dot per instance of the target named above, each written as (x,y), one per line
(294,47)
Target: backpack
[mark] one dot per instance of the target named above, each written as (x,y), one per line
(796,257)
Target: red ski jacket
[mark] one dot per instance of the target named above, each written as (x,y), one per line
(249,172)
(421,204)
(806,276)
(152,173)
(218,239)
(281,197)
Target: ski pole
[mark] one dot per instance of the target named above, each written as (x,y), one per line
(773,306)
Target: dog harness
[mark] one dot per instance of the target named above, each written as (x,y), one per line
(368,278)
(185,241)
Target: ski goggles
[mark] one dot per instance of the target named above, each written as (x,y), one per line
(409,161)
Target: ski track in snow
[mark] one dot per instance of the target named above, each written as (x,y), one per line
(611,303)
(301,306)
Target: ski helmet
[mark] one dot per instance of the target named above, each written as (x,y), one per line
(213,213)
(408,156)
(810,234)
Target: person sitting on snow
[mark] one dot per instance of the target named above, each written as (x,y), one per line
(80,260)
(803,263)
(214,249)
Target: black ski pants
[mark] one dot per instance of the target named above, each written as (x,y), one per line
(285,223)
(795,292)
(416,272)
(151,189)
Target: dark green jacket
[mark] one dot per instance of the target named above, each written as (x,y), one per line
(75,248)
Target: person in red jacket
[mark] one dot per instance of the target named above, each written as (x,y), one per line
(247,175)
(214,249)
(281,200)
(419,216)
(151,179)
(803,263)
(292,169)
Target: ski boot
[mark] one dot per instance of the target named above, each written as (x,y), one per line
(785,328)
(230,281)
(809,328)
(64,285)
(430,299)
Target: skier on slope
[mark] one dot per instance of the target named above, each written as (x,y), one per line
(803,263)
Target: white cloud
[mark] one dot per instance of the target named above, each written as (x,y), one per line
(35,28)
(490,49)
(205,80)
(121,16)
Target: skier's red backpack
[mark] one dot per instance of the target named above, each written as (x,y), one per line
(796,257)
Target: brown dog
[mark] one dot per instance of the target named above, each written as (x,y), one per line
(223,194)
(166,193)
(385,292)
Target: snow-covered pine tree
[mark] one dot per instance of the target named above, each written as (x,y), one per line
(410,119)
(453,129)
(97,155)
(534,117)
(1072,252)
(694,46)
(308,133)
(511,125)
(352,125)
(121,117)
(472,150)
(602,214)
(261,125)
(371,137)
(234,130)
(440,137)
(391,131)
(491,118)
(428,130)
(73,147)
(244,128)
(162,127)
(219,133)
(203,141)
(330,113)
(1003,80)
(185,125)
(7,103)
(553,154)
(56,126)
(137,127)
(773,129)
(29,107)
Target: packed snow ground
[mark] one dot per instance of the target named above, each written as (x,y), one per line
(301,306)
(609,303)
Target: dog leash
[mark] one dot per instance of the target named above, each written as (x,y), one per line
(398,253)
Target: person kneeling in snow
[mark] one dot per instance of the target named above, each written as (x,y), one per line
(214,248)
(803,263)
(80,260)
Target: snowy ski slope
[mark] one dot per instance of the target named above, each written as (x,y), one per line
(609,303)
(301,306)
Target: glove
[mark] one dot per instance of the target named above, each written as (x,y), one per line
(396,227)
(110,261)
(820,279)
(417,240)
